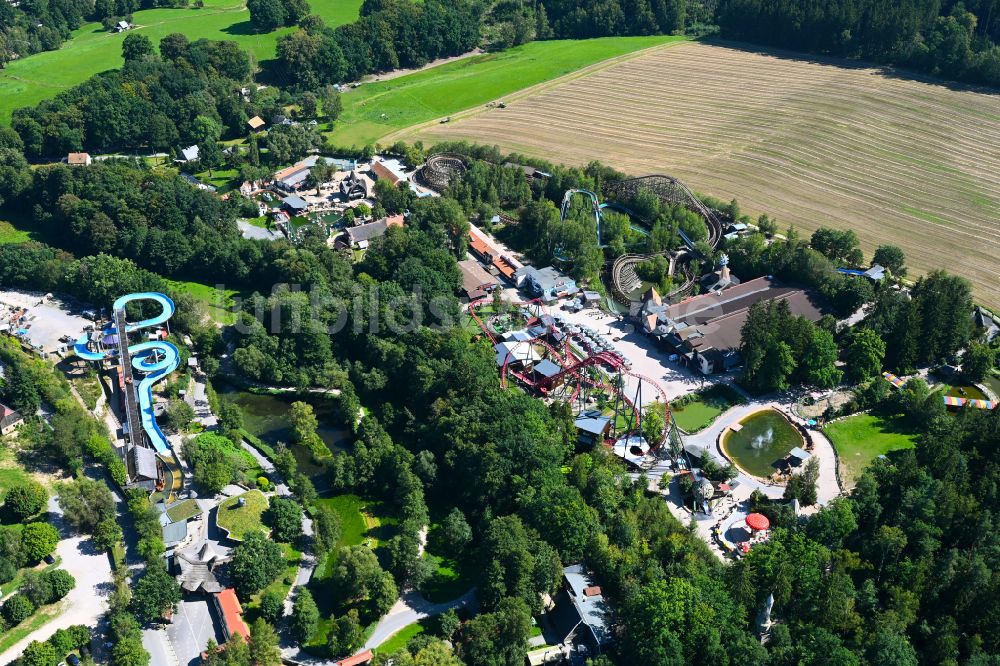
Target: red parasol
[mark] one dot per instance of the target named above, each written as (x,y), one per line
(758,521)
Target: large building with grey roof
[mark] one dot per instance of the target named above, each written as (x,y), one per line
(706,330)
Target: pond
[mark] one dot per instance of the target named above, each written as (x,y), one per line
(965,391)
(266,416)
(765,438)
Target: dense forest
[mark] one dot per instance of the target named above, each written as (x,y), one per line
(388,35)
(188,94)
(30,27)
(954,40)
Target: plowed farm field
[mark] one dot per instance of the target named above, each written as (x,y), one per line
(902,161)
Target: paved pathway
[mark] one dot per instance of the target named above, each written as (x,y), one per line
(412,607)
(87,602)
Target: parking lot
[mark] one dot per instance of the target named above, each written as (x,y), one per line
(39,320)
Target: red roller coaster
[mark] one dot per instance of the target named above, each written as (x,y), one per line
(576,376)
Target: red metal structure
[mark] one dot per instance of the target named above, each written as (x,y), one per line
(574,371)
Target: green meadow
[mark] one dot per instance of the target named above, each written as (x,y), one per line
(380,108)
(92,49)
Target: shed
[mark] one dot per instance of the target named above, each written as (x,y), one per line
(256,123)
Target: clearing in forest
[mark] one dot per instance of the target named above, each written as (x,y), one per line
(899,160)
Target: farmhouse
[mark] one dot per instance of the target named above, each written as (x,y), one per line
(705,330)
(189,154)
(581,613)
(79,159)
(476,280)
(491,256)
(9,420)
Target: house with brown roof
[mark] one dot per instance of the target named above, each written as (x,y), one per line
(9,420)
(256,123)
(706,330)
(476,280)
(79,159)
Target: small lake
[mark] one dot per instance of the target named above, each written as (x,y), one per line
(765,438)
(965,391)
(266,416)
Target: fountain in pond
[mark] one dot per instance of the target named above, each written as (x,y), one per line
(763,440)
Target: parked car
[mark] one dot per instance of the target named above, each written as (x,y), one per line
(73,660)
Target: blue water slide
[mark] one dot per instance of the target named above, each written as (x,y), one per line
(167,309)
(157,360)
(83,350)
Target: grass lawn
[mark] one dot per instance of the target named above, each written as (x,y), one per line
(216,301)
(239,520)
(92,49)
(10,234)
(41,617)
(362,522)
(449,580)
(186,509)
(377,109)
(863,437)
(221,179)
(705,408)
(993,382)
(399,640)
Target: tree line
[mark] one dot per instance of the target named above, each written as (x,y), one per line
(951,39)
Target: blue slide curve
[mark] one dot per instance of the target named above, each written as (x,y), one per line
(155,359)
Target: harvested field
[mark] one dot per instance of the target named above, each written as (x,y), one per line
(901,161)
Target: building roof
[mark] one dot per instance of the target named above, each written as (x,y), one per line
(358,659)
(592,422)
(714,321)
(475,279)
(232,613)
(145,462)
(196,573)
(479,245)
(256,122)
(174,533)
(78,158)
(389,169)
(515,352)
(295,202)
(366,232)
(592,608)
(547,368)
(190,153)
(799,453)
(9,417)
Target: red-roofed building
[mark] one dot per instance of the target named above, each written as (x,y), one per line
(357,660)
(231,612)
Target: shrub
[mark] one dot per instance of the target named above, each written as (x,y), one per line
(62,582)
(26,499)
(38,540)
(271,606)
(17,609)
